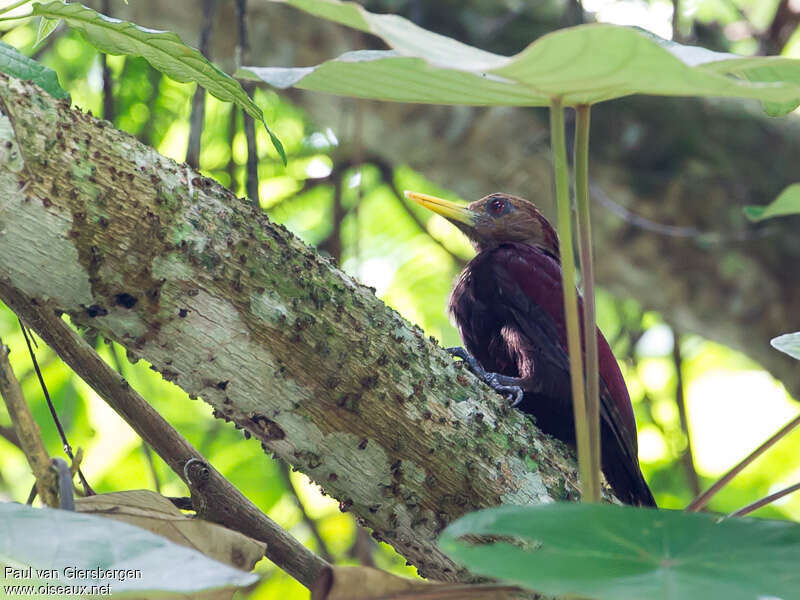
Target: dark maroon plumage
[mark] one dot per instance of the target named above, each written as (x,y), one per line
(508,306)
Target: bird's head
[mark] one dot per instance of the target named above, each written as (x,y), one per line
(495,219)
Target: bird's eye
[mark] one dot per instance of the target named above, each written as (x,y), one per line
(496,206)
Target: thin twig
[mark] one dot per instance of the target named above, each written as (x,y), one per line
(676,19)
(710,237)
(147,133)
(784,23)
(251,171)
(703,499)
(680,400)
(322,547)
(218,500)
(242,56)
(28,432)
(333,244)
(231,167)
(363,547)
(67,448)
(199,99)
(108,95)
(764,501)
(358,164)
(148,453)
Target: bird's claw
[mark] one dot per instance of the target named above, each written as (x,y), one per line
(471,361)
(510,392)
(493,380)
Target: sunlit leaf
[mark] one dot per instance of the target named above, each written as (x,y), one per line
(580,65)
(611,552)
(46,27)
(788,343)
(13,63)
(787,203)
(385,75)
(164,50)
(81,541)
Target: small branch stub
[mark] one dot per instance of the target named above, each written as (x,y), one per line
(28,432)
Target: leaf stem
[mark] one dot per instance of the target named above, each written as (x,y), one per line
(589,490)
(746,510)
(700,502)
(587,276)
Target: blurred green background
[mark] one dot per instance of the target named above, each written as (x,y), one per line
(354,213)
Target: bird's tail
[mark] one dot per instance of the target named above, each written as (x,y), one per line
(644,497)
(628,483)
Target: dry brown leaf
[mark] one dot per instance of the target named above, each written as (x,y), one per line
(365,583)
(152,511)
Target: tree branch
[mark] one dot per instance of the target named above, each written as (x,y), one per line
(238,311)
(199,99)
(687,456)
(214,497)
(28,432)
(322,548)
(108,91)
(243,54)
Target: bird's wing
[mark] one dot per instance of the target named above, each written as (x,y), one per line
(532,288)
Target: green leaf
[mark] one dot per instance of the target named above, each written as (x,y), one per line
(164,50)
(611,552)
(788,343)
(787,203)
(58,539)
(46,27)
(764,69)
(581,65)
(13,63)
(344,13)
(384,75)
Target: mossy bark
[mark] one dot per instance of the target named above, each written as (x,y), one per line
(237,311)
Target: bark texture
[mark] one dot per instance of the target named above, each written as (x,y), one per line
(681,163)
(236,310)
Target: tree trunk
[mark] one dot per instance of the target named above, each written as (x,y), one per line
(238,311)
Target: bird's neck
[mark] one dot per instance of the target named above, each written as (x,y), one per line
(549,249)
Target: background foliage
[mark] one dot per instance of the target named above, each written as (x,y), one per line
(349,206)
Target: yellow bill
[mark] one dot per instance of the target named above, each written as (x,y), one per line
(449,210)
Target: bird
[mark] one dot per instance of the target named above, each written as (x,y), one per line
(507,304)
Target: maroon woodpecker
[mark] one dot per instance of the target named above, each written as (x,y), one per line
(508,306)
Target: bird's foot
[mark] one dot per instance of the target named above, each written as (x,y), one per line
(503,384)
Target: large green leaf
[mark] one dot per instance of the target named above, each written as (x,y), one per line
(13,63)
(384,75)
(788,343)
(625,553)
(787,203)
(580,65)
(58,539)
(162,49)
